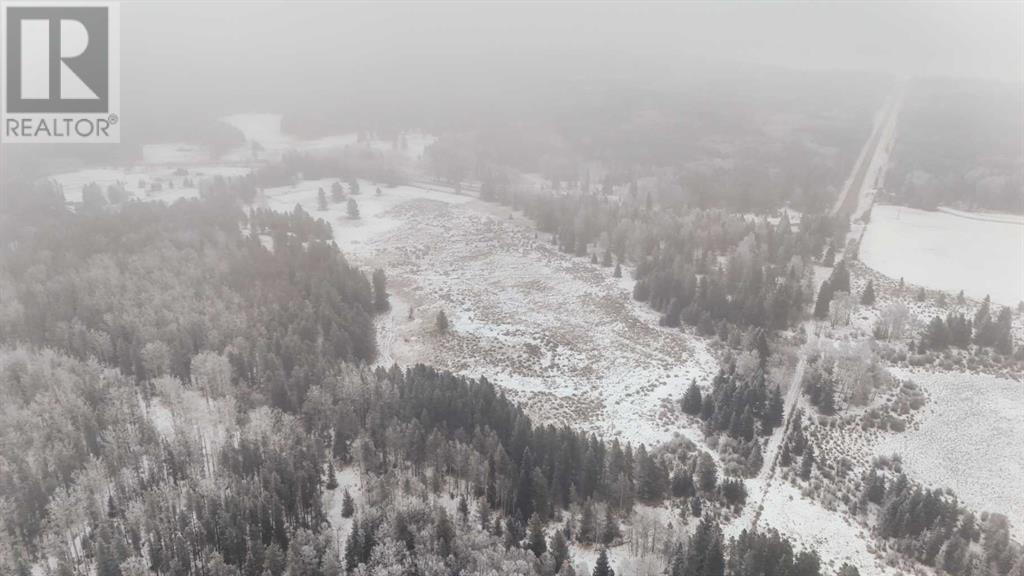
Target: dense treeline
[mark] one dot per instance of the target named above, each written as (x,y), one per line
(718,143)
(707,268)
(741,406)
(925,525)
(958,331)
(933,528)
(104,487)
(242,496)
(959,145)
(147,287)
(519,468)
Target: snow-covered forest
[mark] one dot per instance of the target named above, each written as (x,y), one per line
(385,300)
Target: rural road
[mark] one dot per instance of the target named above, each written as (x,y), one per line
(873,158)
(859,186)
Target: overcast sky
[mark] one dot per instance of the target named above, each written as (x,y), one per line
(948,38)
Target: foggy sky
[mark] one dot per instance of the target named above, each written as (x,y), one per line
(201,39)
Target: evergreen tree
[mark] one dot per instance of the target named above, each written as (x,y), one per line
(321,199)
(483,513)
(848,570)
(353,547)
(587,533)
(677,563)
(463,509)
(618,270)
(93,200)
(759,343)
(983,324)
(867,298)
(524,501)
(611,531)
(274,560)
(937,335)
(107,561)
(755,460)
(353,209)
(714,562)
(839,281)
(682,484)
(827,396)
(785,458)
(696,507)
(559,549)
(705,555)
(348,505)
(513,532)
(806,564)
(444,534)
(821,305)
(380,291)
(332,478)
(807,463)
(706,474)
(692,399)
(442,322)
(772,416)
(112,510)
(536,541)
(602,567)
(1003,332)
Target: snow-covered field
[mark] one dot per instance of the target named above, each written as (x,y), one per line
(137,180)
(834,535)
(557,333)
(265,129)
(970,438)
(948,251)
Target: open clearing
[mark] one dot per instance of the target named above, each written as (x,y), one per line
(948,251)
(265,130)
(836,537)
(559,334)
(970,439)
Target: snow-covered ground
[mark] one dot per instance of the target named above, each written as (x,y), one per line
(137,180)
(835,536)
(948,251)
(559,334)
(970,438)
(265,129)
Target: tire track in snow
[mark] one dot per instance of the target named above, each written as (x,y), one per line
(767,475)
